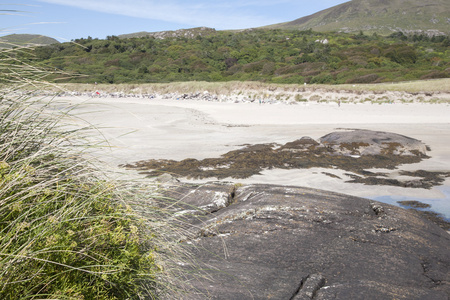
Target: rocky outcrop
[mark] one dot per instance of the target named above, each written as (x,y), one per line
(369,142)
(280,242)
(353,150)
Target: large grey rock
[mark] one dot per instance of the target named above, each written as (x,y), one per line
(368,142)
(278,242)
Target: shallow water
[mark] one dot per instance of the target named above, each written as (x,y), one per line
(438,205)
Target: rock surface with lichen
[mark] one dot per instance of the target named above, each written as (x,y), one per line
(281,242)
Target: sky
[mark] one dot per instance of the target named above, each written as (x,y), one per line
(66,20)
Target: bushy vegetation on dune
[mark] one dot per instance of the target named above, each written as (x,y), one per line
(276,56)
(66,232)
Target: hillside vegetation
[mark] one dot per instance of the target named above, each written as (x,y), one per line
(182,33)
(276,56)
(25,40)
(380,16)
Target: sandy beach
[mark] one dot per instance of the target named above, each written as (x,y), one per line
(139,129)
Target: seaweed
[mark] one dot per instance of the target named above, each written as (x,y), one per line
(304,153)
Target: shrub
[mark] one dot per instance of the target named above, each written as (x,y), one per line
(401,54)
(436,74)
(369,78)
(322,78)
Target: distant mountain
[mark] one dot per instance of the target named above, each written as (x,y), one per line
(431,17)
(18,40)
(187,33)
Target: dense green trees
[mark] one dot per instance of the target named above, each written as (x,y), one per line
(265,55)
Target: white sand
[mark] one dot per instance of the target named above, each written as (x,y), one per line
(139,129)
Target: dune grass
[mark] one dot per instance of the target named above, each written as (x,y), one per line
(234,87)
(66,230)
(416,86)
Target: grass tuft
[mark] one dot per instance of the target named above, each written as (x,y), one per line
(66,231)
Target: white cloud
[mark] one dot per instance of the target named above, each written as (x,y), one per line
(230,14)
(45,23)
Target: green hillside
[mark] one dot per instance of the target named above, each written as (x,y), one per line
(278,56)
(17,40)
(380,16)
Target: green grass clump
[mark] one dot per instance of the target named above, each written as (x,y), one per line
(65,231)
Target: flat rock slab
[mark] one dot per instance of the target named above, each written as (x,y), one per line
(279,242)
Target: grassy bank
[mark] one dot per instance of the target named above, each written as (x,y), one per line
(234,87)
(66,230)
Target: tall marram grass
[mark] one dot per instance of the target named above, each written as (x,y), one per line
(66,232)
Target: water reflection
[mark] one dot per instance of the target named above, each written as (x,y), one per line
(438,205)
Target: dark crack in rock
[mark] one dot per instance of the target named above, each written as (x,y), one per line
(309,287)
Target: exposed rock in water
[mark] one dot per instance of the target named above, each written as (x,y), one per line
(278,242)
(430,215)
(414,204)
(425,179)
